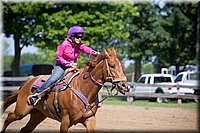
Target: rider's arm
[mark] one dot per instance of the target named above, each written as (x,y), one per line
(85,49)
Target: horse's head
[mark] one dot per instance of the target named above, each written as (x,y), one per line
(114,67)
(112,70)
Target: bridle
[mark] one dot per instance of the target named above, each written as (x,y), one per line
(109,74)
(109,78)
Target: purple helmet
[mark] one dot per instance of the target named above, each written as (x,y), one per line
(75,30)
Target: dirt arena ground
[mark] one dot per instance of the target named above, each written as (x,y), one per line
(111,118)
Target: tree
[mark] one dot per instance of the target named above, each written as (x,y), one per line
(103,24)
(46,25)
(6,57)
(23,14)
(145,33)
(179,47)
(138,32)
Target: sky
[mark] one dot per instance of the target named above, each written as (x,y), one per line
(29,49)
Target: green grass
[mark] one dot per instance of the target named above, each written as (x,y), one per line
(146,103)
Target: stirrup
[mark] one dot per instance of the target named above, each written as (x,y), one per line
(33,99)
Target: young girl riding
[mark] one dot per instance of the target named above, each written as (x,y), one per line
(66,56)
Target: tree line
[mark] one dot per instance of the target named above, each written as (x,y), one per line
(141,32)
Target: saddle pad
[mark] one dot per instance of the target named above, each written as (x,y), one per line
(40,81)
(61,84)
(68,78)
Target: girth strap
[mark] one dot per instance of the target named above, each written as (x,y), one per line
(81,96)
(45,107)
(55,102)
(83,99)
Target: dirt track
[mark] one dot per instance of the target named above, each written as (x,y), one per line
(126,118)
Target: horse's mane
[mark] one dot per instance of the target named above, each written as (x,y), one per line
(103,55)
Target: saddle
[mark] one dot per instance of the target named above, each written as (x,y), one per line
(62,83)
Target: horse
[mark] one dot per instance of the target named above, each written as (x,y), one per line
(105,67)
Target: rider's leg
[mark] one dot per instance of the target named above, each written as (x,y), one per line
(57,73)
(55,76)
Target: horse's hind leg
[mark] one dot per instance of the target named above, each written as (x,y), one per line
(21,110)
(36,118)
(10,118)
(18,114)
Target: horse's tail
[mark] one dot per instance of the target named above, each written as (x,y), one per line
(9,100)
(12,98)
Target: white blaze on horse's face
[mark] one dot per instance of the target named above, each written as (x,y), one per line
(115,67)
(118,72)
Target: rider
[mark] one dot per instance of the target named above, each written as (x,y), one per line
(66,56)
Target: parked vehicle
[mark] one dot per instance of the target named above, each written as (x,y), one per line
(161,79)
(31,69)
(35,69)
(28,70)
(189,82)
(190,79)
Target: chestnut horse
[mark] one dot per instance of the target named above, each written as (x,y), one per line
(105,67)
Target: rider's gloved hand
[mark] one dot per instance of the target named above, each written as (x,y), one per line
(74,65)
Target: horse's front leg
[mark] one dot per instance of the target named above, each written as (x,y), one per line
(90,124)
(65,122)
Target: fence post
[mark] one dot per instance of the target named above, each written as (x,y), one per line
(178,92)
(132,77)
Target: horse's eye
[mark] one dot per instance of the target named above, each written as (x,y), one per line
(112,65)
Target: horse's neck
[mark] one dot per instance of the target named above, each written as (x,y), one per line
(90,89)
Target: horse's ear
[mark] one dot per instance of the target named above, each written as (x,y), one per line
(113,51)
(106,53)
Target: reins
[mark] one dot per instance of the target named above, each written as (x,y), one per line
(95,81)
(110,76)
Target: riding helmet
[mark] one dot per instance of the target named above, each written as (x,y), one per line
(75,30)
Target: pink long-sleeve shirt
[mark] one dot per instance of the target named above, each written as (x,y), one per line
(67,54)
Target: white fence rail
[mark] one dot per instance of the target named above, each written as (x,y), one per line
(103,93)
(163,85)
(7,83)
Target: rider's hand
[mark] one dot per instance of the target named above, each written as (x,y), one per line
(74,65)
(96,53)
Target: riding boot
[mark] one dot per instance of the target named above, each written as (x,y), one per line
(33,99)
(36,96)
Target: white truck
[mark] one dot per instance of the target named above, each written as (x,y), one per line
(148,84)
(189,80)
(142,90)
